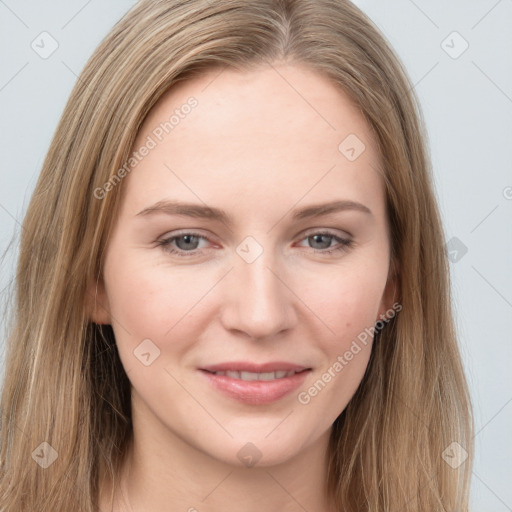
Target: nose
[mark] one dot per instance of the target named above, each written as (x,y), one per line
(258,301)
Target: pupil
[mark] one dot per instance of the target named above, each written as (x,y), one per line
(326,244)
(188,239)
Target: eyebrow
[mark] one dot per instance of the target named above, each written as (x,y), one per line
(212,213)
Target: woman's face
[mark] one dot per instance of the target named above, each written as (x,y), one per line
(224,253)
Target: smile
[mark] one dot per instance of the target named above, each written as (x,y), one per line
(251,376)
(255,388)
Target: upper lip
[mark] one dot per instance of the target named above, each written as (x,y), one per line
(245,366)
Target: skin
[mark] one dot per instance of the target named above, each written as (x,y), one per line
(259,145)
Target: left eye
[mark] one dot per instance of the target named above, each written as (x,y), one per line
(317,238)
(186,244)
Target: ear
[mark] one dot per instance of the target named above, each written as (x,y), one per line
(96,302)
(390,294)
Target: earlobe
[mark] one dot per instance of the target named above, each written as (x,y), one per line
(96,302)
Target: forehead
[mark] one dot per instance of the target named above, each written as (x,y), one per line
(282,132)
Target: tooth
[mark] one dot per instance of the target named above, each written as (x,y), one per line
(248,376)
(269,375)
(251,376)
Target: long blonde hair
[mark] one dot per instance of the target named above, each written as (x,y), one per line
(64,383)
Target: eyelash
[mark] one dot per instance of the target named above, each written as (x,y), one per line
(344,244)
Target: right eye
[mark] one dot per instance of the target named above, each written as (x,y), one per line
(183,244)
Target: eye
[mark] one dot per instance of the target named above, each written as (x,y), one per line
(324,239)
(187,243)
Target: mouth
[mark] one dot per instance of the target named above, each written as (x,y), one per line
(255,387)
(256,368)
(257,376)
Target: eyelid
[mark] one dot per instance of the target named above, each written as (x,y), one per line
(182,232)
(331,231)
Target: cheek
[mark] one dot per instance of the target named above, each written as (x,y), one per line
(155,302)
(347,303)
(350,314)
(345,300)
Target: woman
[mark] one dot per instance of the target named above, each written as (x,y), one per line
(255,130)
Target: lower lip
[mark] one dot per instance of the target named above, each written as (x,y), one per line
(256,392)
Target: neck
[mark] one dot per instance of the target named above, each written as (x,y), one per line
(153,477)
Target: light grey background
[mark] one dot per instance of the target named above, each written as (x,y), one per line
(467,103)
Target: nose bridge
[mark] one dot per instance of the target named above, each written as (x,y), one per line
(259,303)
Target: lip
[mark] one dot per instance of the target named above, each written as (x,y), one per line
(246,366)
(259,392)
